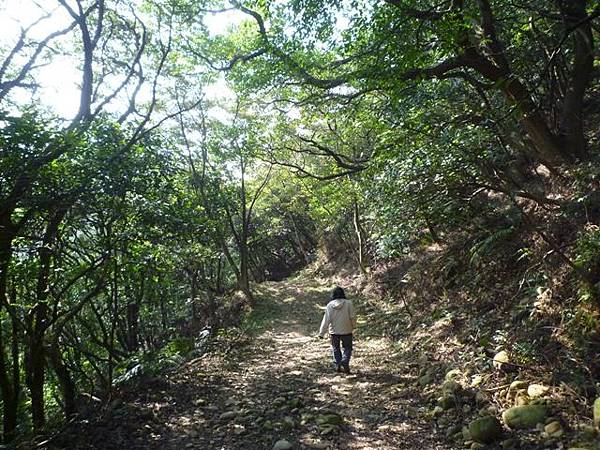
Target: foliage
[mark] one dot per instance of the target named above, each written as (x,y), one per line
(200,162)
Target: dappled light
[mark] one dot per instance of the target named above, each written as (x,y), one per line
(299,224)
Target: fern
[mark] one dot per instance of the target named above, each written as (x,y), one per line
(484,246)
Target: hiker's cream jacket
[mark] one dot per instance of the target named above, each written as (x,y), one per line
(339,317)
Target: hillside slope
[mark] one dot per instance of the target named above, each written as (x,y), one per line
(270,384)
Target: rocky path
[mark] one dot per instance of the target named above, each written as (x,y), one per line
(279,386)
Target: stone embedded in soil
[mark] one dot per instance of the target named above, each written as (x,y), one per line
(485,430)
(500,360)
(588,433)
(537,390)
(452,430)
(282,444)
(522,398)
(480,397)
(425,380)
(295,403)
(553,429)
(327,429)
(279,401)
(330,419)
(477,380)
(446,402)
(517,385)
(451,387)
(288,422)
(526,416)
(453,374)
(510,444)
(438,410)
(228,415)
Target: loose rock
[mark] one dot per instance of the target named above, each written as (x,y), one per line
(282,444)
(517,385)
(553,429)
(451,387)
(330,419)
(446,402)
(438,410)
(526,416)
(228,415)
(288,422)
(500,360)
(425,380)
(537,390)
(485,430)
(453,374)
(510,444)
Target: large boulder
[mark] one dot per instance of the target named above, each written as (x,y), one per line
(526,416)
(485,429)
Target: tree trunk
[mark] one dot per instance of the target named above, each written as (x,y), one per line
(195,320)
(359,237)
(114,312)
(67,385)
(16,366)
(38,373)
(219,278)
(9,398)
(545,142)
(244,279)
(299,240)
(570,129)
(40,318)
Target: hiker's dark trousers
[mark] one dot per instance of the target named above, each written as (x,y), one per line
(340,358)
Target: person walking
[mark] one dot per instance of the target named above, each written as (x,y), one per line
(339,320)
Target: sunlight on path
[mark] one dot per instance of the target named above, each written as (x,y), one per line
(369,401)
(280,384)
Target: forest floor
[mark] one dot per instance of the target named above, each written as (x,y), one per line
(277,383)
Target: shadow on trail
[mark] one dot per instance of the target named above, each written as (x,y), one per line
(278,385)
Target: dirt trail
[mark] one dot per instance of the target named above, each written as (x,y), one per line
(281,385)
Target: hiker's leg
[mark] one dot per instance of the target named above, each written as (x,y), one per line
(347,345)
(335,349)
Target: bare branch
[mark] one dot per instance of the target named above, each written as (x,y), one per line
(6,86)
(489,28)
(142,41)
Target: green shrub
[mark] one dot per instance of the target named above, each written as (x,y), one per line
(181,346)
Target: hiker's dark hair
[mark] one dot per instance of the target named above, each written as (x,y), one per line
(338,292)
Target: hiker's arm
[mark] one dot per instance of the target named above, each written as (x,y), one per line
(324,323)
(352,314)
